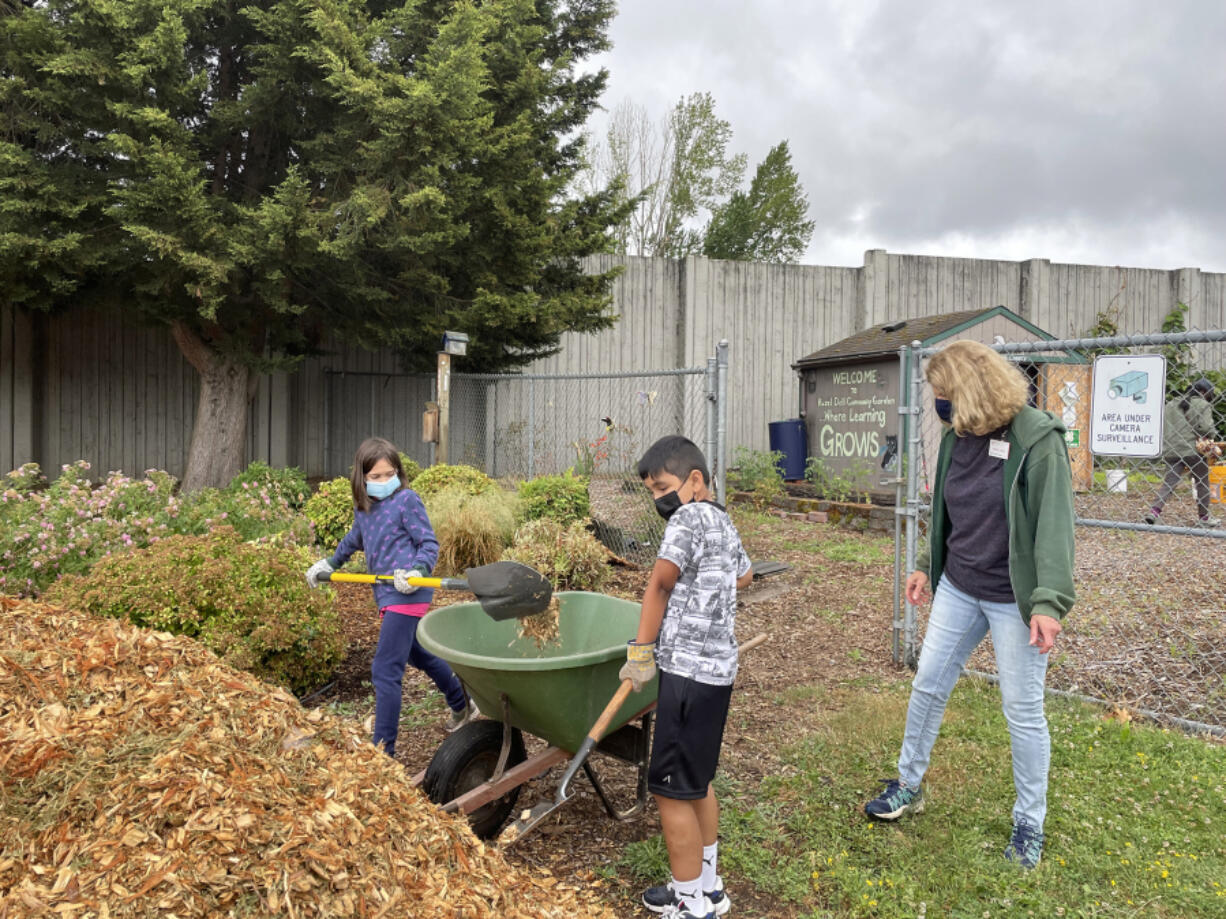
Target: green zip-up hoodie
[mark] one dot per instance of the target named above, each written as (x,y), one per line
(1038,508)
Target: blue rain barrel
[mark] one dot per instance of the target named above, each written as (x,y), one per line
(790,439)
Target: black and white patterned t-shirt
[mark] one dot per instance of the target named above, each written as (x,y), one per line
(696,638)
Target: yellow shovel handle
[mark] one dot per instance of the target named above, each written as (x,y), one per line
(349,578)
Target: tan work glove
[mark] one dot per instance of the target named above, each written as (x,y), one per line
(640,665)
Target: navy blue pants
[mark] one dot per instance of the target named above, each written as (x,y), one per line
(398,646)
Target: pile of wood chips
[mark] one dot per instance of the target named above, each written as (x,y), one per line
(141,777)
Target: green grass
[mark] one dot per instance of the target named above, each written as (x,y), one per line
(1134,827)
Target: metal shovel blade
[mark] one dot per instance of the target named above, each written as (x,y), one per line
(509,590)
(527,820)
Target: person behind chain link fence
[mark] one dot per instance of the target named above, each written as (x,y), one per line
(1188,445)
(687,618)
(999,558)
(390,525)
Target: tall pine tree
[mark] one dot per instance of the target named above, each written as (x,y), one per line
(258,174)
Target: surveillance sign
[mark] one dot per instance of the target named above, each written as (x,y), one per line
(1126,404)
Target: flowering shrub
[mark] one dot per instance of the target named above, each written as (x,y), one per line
(68,526)
(249,603)
(288,483)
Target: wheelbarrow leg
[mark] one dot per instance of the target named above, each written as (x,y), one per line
(640,761)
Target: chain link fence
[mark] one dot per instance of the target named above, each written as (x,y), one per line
(520,426)
(1148,631)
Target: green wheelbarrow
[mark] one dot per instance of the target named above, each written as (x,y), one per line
(566,693)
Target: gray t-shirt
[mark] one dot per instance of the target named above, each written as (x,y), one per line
(696,637)
(977,547)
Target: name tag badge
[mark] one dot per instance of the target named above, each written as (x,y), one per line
(998,449)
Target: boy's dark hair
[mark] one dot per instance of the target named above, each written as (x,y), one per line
(675,455)
(370,452)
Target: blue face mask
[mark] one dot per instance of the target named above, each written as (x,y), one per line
(945,410)
(382,489)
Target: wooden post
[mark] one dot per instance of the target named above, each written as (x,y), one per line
(444,406)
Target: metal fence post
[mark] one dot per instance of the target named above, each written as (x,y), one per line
(711,394)
(721,436)
(531,429)
(914,461)
(900,508)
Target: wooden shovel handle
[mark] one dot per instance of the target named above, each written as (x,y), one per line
(610,710)
(623,691)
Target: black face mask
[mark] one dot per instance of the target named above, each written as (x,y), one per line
(666,505)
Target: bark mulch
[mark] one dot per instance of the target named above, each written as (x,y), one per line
(141,777)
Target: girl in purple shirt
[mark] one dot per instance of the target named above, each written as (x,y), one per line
(390,525)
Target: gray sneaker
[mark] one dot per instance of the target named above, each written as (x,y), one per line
(457,720)
(1209,522)
(895,800)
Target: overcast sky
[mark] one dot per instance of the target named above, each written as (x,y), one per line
(1089,132)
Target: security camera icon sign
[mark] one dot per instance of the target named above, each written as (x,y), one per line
(1131,384)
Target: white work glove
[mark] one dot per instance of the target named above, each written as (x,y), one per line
(323,566)
(401,579)
(640,665)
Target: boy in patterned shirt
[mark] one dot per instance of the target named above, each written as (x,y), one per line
(686,629)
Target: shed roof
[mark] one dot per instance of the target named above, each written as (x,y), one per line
(887,339)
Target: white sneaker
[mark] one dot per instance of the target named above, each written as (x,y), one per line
(1209,522)
(457,720)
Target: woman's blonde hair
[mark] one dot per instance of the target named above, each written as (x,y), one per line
(986,390)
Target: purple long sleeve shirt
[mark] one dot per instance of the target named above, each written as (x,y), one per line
(395,534)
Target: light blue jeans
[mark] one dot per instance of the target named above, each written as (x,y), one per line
(957,624)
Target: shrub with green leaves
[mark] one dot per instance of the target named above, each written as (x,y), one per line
(412,469)
(757,472)
(249,603)
(570,556)
(563,498)
(330,511)
(466,478)
(289,483)
(472,529)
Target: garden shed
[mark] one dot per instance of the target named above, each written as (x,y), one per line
(849,394)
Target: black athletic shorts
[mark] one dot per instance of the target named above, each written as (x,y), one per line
(690,719)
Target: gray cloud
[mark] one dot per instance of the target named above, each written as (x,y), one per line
(1072,131)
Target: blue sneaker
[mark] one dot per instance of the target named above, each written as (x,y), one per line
(895,800)
(661,898)
(1025,845)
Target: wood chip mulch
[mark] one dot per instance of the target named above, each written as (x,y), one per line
(139,776)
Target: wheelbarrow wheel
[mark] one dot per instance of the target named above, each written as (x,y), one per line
(467,759)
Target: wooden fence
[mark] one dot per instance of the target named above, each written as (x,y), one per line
(100,387)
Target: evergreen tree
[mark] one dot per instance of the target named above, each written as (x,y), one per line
(255,174)
(767,223)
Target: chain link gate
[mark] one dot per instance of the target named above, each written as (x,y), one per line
(1148,630)
(520,426)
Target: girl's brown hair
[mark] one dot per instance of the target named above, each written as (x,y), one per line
(986,390)
(370,452)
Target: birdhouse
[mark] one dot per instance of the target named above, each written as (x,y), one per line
(455,343)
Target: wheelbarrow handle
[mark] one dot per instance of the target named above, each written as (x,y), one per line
(346,577)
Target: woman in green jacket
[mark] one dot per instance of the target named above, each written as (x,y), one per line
(1000,559)
(1187,423)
